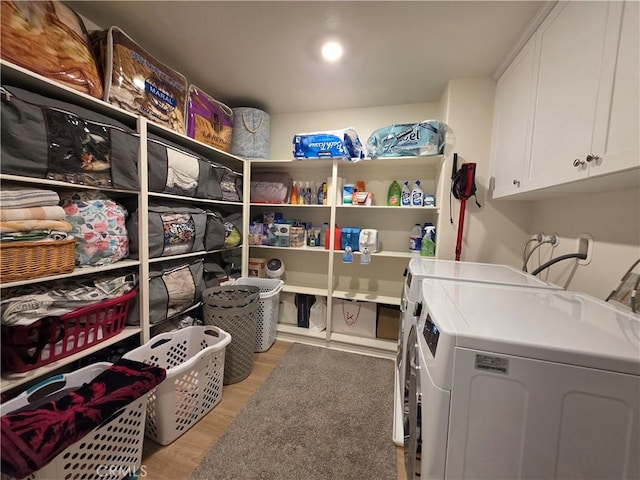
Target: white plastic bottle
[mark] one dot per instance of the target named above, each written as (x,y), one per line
(405,196)
(415,238)
(417,195)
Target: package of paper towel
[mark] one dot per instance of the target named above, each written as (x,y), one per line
(428,137)
(343,144)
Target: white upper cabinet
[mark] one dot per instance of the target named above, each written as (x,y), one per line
(574,121)
(512,122)
(620,151)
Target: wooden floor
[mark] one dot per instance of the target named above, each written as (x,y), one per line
(181,457)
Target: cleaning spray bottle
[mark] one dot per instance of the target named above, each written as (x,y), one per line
(393,197)
(428,246)
(406,195)
(417,195)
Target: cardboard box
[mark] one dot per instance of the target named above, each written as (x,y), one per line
(354,318)
(281,234)
(257,267)
(256,230)
(388,322)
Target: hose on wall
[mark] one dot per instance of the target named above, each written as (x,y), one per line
(553,261)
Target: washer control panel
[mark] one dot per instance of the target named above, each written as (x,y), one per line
(431,334)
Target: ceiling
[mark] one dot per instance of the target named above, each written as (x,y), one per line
(264,53)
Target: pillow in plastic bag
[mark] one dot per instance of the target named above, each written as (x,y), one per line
(408,139)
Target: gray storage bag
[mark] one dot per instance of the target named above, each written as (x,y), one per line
(215,232)
(214,274)
(231,185)
(172,231)
(176,170)
(173,288)
(179,171)
(46,138)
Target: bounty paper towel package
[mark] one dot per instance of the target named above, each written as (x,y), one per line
(343,144)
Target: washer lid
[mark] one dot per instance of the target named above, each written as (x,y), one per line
(565,327)
(475,272)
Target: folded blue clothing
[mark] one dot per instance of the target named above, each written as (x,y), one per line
(343,144)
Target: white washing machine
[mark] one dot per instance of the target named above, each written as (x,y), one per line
(411,304)
(511,383)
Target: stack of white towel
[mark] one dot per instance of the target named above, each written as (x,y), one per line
(30,214)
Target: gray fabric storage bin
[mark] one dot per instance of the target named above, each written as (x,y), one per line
(179,171)
(174,286)
(251,131)
(169,165)
(46,138)
(215,231)
(172,231)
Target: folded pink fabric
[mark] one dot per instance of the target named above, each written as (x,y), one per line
(53,212)
(27,225)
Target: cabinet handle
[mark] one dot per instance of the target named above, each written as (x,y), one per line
(516,182)
(578,163)
(592,158)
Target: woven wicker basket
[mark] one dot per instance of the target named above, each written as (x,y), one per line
(23,260)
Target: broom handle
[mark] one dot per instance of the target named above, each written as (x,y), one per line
(463,207)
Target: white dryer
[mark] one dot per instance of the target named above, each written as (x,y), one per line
(511,383)
(411,305)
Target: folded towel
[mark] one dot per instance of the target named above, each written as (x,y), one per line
(27,304)
(33,437)
(11,197)
(48,212)
(27,225)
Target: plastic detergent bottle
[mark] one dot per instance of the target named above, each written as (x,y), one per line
(393,197)
(405,199)
(417,195)
(428,246)
(294,194)
(415,238)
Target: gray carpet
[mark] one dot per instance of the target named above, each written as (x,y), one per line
(321,415)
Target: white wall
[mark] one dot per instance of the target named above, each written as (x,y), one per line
(612,218)
(364,120)
(496,232)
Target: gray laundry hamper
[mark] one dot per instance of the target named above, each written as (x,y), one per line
(251,131)
(234,308)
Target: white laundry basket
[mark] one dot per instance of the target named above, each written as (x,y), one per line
(111,451)
(194,360)
(268,309)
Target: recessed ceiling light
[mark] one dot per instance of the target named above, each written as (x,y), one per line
(331,51)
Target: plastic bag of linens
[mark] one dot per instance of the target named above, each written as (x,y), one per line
(137,82)
(428,137)
(343,144)
(49,38)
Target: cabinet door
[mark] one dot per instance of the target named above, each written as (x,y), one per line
(572,43)
(512,122)
(619,148)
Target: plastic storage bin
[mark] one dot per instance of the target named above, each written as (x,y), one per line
(268,309)
(194,360)
(111,451)
(26,347)
(234,309)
